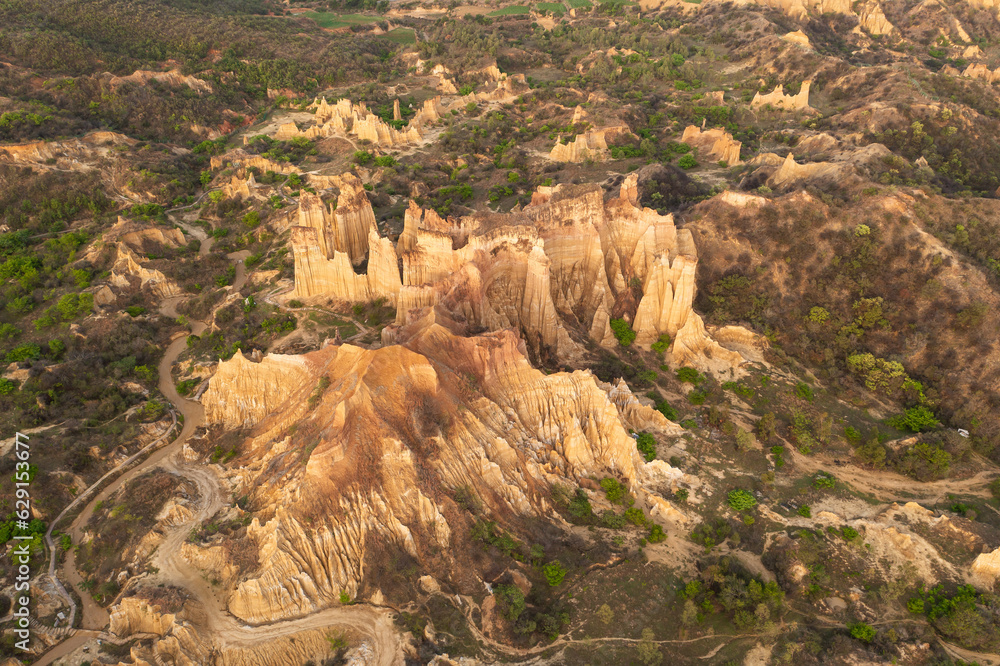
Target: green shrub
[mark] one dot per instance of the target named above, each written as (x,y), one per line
(824,480)
(669,412)
(805,511)
(646,444)
(613,490)
(689,375)
(848,533)
(510,600)
(915,419)
(656,534)
(804,391)
(554,572)
(687,161)
(682,495)
(863,632)
(660,346)
(623,332)
(741,500)
(635,516)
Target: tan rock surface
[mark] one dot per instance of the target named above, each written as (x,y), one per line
(716,143)
(779,100)
(489,421)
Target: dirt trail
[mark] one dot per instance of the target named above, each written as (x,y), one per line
(887,486)
(224,629)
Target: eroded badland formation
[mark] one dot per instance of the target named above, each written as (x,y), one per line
(564,333)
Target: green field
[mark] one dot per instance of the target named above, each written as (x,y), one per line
(580,4)
(402,36)
(331,20)
(511,11)
(556,8)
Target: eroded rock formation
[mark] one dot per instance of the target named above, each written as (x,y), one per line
(372,423)
(717,144)
(981,71)
(591,145)
(174,77)
(557,270)
(779,100)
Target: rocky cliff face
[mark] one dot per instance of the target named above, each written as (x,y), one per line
(389,434)
(568,262)
(243,392)
(717,144)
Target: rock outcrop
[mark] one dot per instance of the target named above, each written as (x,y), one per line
(173,77)
(797,37)
(356,470)
(566,262)
(329,244)
(717,144)
(133,615)
(981,71)
(779,100)
(587,146)
(128,272)
(243,392)
(69,154)
(873,20)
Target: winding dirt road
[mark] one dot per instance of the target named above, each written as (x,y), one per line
(224,629)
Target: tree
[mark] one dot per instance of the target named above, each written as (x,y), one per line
(687,161)
(863,632)
(510,599)
(766,427)
(649,652)
(605,614)
(689,616)
(741,500)
(554,572)
(744,440)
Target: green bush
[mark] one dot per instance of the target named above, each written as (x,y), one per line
(824,480)
(554,572)
(635,516)
(915,419)
(656,534)
(660,346)
(510,600)
(687,161)
(613,490)
(804,391)
(689,375)
(646,444)
(805,511)
(741,500)
(863,632)
(669,412)
(623,332)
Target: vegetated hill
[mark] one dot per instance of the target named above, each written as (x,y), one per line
(812,476)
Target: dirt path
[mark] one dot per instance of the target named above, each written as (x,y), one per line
(375,624)
(887,486)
